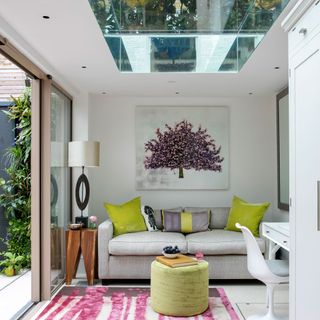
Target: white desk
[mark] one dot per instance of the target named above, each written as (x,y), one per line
(277,234)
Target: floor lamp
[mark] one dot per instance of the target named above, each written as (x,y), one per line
(83,154)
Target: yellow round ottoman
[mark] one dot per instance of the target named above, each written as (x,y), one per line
(182,291)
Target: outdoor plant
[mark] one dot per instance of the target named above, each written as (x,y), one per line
(16,189)
(11,263)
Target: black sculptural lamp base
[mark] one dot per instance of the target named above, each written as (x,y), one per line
(82,197)
(83,221)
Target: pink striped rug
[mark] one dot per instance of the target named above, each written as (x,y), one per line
(114,303)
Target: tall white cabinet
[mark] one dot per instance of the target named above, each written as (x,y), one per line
(303,27)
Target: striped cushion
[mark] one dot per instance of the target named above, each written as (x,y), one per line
(185,222)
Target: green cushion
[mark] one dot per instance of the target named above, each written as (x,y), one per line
(247,214)
(126,217)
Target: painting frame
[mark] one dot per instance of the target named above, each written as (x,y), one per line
(209,173)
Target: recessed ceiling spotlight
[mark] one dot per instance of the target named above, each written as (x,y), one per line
(84,67)
(277,68)
(45,17)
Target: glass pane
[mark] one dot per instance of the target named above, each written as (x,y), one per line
(184,35)
(259,18)
(261,15)
(7,140)
(60,182)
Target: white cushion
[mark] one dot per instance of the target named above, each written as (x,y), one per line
(219,242)
(149,219)
(146,243)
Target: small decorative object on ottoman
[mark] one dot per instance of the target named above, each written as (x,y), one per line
(182,291)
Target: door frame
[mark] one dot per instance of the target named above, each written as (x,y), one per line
(40,169)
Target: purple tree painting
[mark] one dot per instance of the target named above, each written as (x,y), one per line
(179,147)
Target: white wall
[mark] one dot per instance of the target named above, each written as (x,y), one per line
(252,153)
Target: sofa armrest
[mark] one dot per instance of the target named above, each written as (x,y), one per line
(105,234)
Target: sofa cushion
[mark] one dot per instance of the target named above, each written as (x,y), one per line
(185,222)
(219,215)
(126,217)
(158,216)
(149,219)
(219,242)
(247,214)
(146,243)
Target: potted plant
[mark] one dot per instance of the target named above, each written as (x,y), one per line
(11,264)
(93,222)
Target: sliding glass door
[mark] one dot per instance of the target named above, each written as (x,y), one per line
(60,178)
(50,176)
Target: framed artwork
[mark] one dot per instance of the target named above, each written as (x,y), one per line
(182,147)
(283,149)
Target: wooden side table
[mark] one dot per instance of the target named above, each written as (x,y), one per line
(81,241)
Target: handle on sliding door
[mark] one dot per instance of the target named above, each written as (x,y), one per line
(318,205)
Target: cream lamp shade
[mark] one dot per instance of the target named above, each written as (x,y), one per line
(84,154)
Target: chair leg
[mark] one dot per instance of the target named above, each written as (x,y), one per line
(270,300)
(270,314)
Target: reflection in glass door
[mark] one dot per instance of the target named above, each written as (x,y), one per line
(60,182)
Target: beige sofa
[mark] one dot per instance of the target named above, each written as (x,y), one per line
(128,256)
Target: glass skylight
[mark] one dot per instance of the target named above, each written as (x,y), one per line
(203,36)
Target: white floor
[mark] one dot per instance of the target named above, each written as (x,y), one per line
(251,299)
(247,298)
(15,294)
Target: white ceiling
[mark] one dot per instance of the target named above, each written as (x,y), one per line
(72,38)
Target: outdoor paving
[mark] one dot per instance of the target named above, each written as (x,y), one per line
(15,294)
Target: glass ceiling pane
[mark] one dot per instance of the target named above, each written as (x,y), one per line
(202,36)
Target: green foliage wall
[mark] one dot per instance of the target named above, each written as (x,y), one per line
(16,196)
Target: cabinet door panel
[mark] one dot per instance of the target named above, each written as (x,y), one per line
(306,93)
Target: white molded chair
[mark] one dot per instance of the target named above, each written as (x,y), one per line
(270,272)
